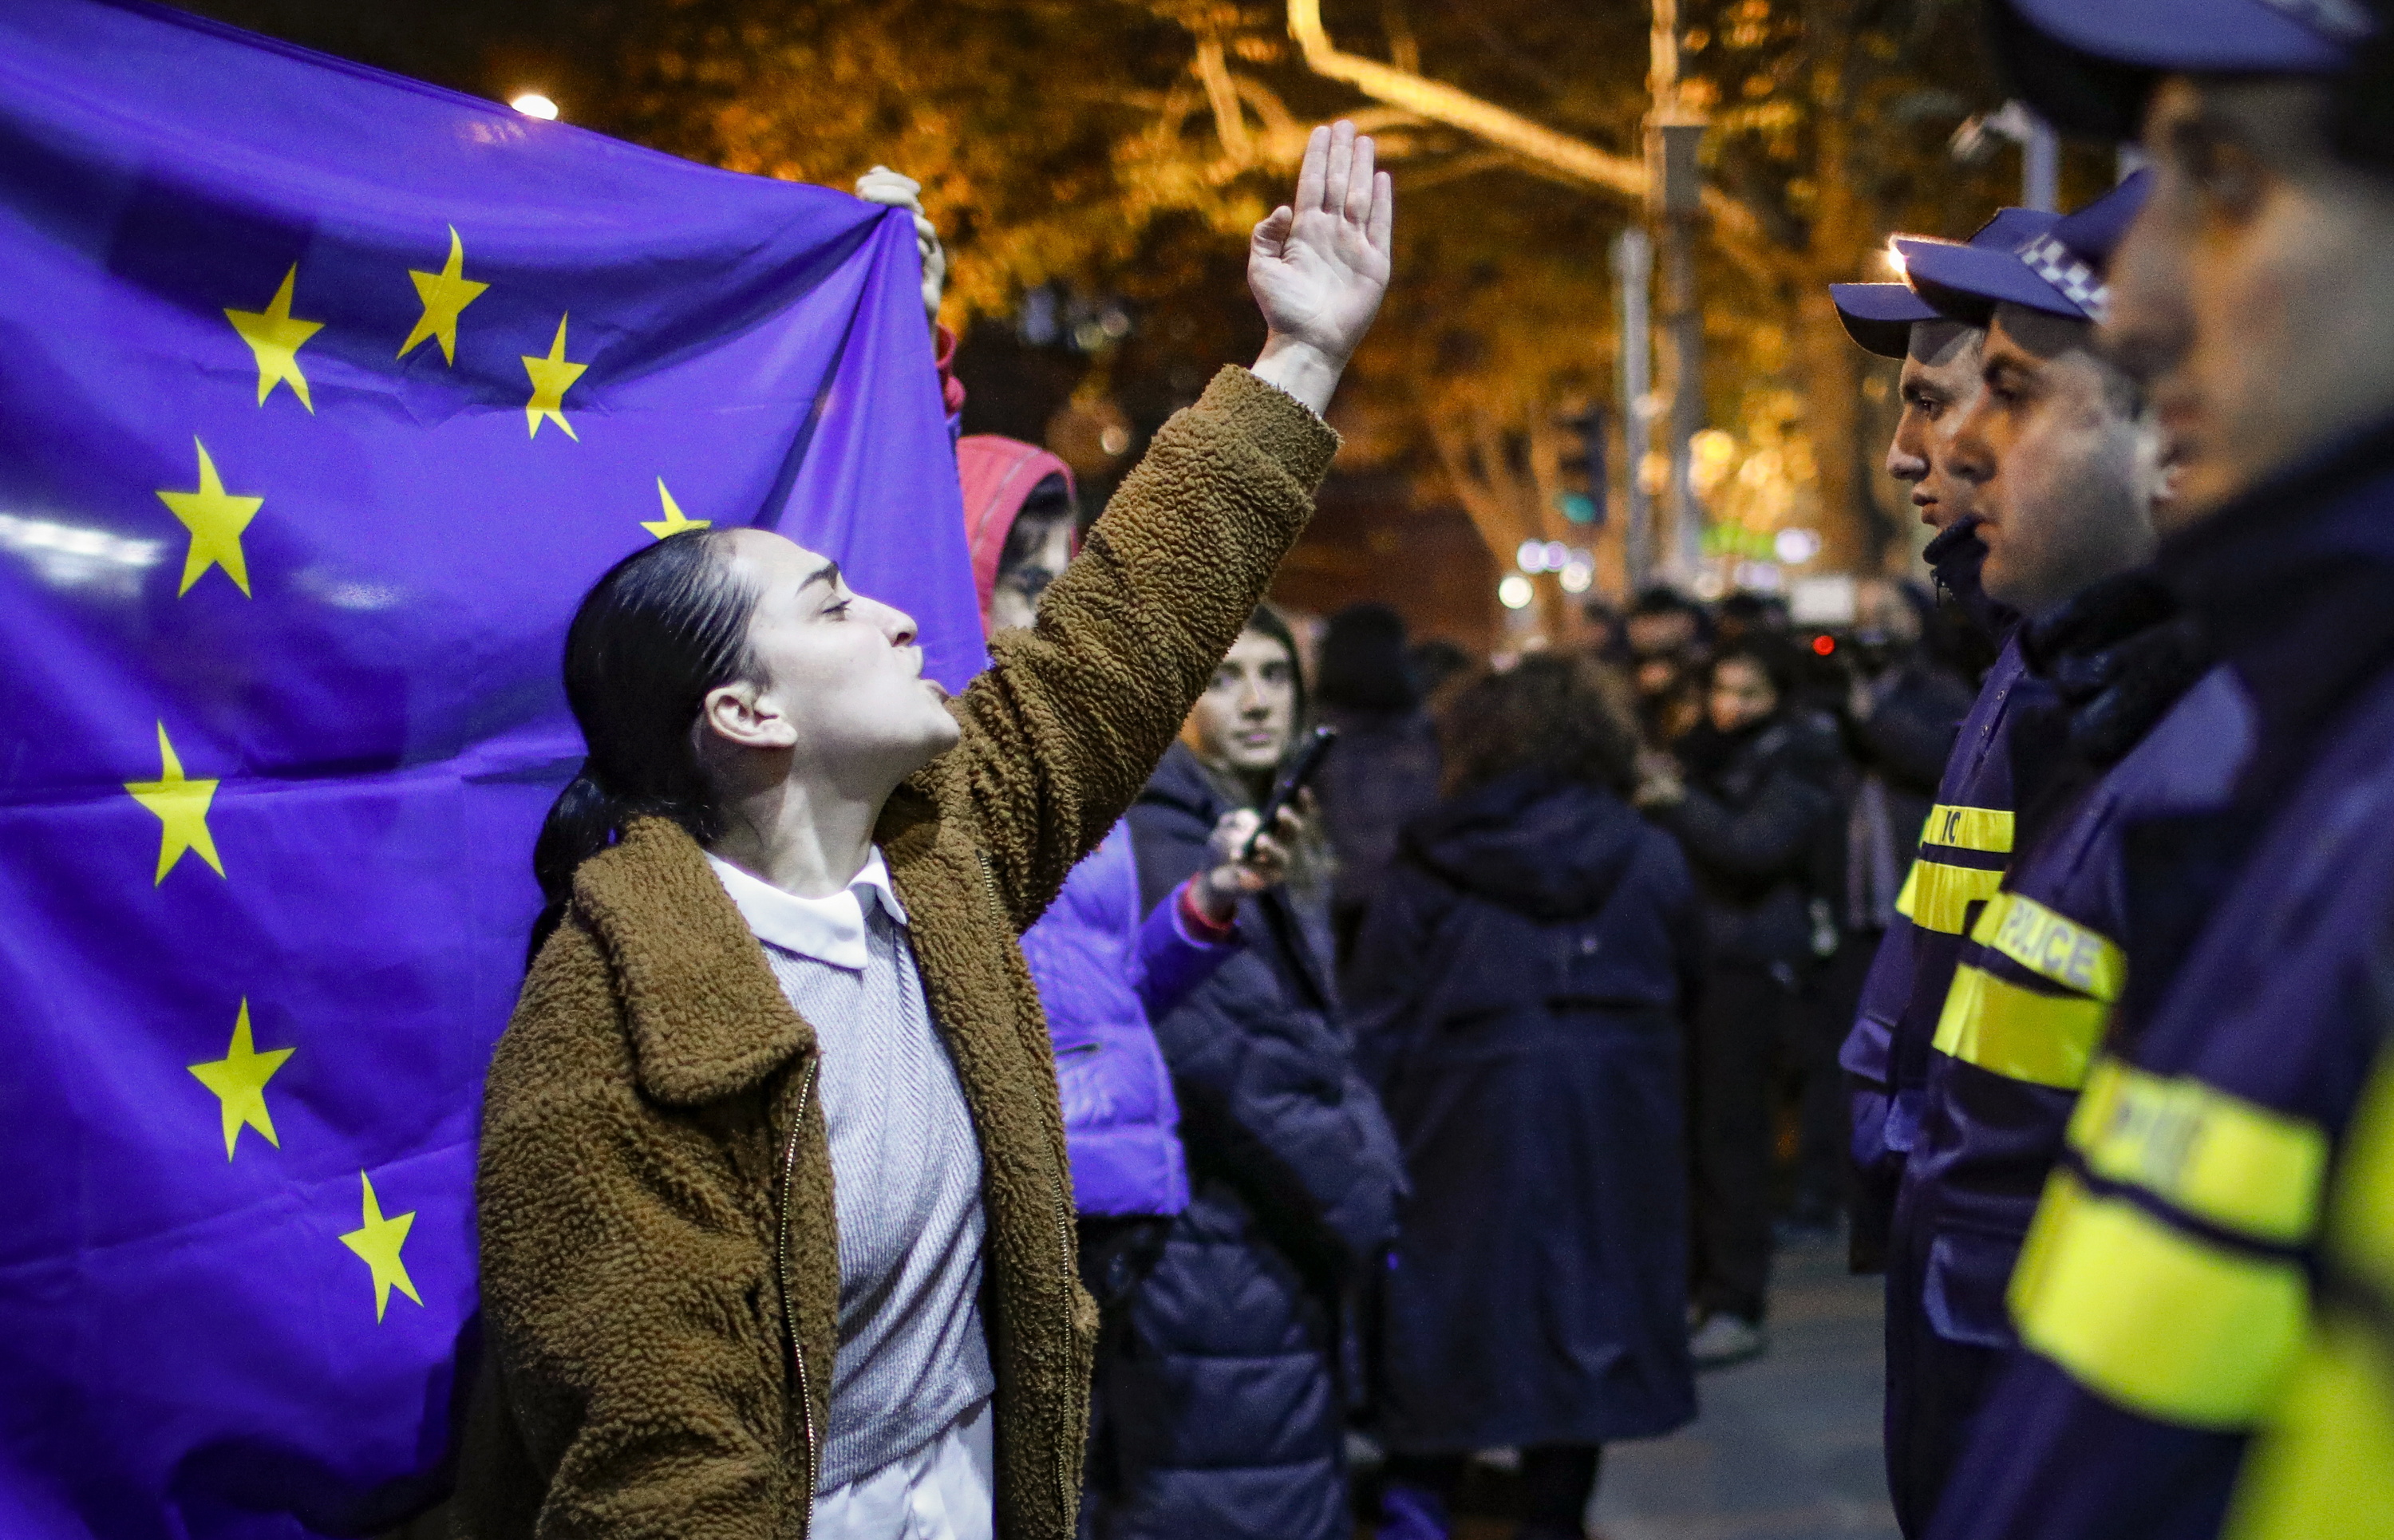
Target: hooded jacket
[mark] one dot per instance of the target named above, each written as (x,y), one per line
(659,1243)
(1517,999)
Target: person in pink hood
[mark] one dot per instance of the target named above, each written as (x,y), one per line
(1104,967)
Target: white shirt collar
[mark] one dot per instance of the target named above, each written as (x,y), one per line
(829,930)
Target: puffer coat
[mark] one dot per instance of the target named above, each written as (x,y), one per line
(1227,1404)
(1105,964)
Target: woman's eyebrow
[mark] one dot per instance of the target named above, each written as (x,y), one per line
(827,573)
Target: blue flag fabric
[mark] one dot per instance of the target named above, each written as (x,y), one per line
(324,397)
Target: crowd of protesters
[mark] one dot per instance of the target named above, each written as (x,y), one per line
(2023,927)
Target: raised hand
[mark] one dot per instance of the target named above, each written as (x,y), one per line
(1319,266)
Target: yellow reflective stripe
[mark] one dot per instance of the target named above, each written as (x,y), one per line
(2224,1160)
(2152,1318)
(2052,945)
(2360,1217)
(2324,1465)
(1937,897)
(1999,1026)
(1988,829)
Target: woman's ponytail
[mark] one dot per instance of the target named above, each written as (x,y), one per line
(666,625)
(581,822)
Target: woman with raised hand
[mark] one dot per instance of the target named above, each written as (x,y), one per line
(775,1217)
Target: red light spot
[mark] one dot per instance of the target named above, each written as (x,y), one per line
(1824,645)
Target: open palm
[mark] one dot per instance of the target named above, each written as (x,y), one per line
(1319,268)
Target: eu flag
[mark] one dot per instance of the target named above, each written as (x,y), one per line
(323,396)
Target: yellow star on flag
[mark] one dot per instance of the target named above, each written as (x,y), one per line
(239,1080)
(551,377)
(673,523)
(444,293)
(376,1240)
(275,336)
(181,806)
(215,518)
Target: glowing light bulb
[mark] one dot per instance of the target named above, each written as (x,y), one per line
(531,104)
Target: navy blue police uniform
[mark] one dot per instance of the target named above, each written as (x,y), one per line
(2167,1287)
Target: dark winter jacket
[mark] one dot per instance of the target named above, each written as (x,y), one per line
(1901,748)
(1517,990)
(2170,1275)
(1754,823)
(1226,1412)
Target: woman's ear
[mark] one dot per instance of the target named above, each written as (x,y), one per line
(742,716)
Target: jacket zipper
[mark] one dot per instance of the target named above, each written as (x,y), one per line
(1064,1246)
(789,1319)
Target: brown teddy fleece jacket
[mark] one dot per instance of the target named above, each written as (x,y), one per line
(659,1271)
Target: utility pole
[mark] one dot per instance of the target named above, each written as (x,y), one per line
(1675,201)
(2040,151)
(1633,270)
(2040,166)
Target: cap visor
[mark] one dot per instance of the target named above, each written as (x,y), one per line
(1880,316)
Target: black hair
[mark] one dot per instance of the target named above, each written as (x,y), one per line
(663,627)
(1662,599)
(1434,661)
(1768,653)
(1362,663)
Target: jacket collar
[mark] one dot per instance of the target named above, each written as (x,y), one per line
(705,1018)
(2241,569)
(829,930)
(2288,584)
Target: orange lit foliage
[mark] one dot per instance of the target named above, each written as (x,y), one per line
(1124,146)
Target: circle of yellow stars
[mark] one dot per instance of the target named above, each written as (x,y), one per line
(216,516)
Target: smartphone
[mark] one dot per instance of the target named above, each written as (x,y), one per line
(1309,760)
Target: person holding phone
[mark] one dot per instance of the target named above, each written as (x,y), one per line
(1229,1421)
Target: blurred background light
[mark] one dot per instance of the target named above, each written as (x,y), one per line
(1515,592)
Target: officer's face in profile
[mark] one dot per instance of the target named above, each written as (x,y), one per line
(1940,380)
(2061,452)
(2255,294)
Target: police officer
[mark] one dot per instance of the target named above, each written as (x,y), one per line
(1883,1060)
(2065,450)
(2165,1293)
